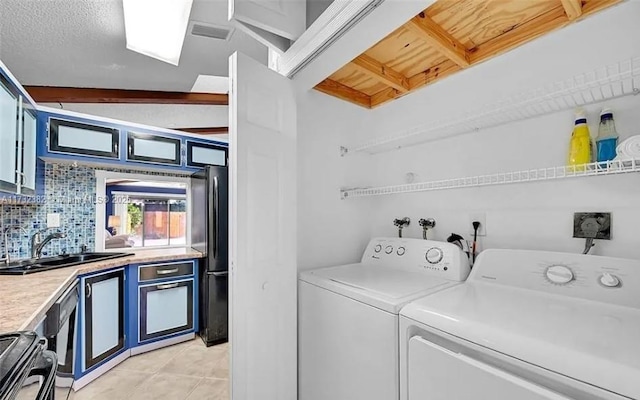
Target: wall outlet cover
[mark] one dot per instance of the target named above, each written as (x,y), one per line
(480,217)
(595,225)
(53,220)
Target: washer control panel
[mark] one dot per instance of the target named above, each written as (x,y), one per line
(428,256)
(605,279)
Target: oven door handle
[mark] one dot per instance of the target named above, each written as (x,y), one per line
(46,366)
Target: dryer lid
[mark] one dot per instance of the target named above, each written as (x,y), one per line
(379,286)
(593,342)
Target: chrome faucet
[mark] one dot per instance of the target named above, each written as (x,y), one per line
(7,255)
(37,243)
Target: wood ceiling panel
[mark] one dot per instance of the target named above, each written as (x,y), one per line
(405,52)
(448,36)
(474,22)
(350,76)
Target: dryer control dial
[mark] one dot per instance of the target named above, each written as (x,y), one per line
(378,248)
(559,274)
(434,255)
(388,249)
(609,280)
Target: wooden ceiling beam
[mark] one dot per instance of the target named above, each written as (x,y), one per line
(51,94)
(344,92)
(376,70)
(440,39)
(573,8)
(219,130)
(433,74)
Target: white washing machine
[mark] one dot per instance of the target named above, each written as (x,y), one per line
(527,325)
(348,316)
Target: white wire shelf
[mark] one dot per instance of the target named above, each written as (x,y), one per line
(610,82)
(503,178)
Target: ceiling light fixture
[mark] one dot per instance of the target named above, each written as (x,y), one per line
(156,28)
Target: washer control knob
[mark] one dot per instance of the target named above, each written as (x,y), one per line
(401,251)
(434,255)
(609,280)
(378,248)
(559,274)
(388,249)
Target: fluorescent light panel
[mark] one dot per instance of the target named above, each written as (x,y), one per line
(156,28)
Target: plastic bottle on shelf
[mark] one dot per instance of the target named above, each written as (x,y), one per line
(580,144)
(607,139)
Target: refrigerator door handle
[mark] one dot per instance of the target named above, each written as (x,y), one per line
(216,196)
(221,273)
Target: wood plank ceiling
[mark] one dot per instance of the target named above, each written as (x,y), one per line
(445,38)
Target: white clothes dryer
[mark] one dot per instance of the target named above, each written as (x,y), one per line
(527,325)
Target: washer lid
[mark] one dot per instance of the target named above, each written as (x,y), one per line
(386,288)
(596,343)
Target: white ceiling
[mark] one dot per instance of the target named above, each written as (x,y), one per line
(81,43)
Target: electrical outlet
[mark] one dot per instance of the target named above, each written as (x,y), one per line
(594,225)
(482,218)
(53,220)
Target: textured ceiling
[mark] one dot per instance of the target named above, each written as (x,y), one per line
(81,43)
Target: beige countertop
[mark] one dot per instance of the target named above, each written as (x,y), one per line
(25,299)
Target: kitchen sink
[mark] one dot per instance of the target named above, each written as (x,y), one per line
(32,265)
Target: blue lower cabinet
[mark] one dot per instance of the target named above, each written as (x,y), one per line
(166,299)
(103,318)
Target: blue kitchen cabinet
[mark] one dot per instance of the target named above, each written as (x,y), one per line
(17,138)
(154,149)
(202,154)
(28,162)
(83,139)
(9,135)
(74,137)
(102,321)
(165,299)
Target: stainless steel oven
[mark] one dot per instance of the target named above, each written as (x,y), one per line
(27,369)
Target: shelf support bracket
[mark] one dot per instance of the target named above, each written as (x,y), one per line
(573,8)
(437,37)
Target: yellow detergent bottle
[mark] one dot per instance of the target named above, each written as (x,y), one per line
(580,145)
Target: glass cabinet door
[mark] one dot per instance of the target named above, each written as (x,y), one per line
(153,149)
(28,174)
(73,137)
(203,154)
(9,108)
(165,309)
(104,316)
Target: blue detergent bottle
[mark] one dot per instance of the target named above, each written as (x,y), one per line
(607,139)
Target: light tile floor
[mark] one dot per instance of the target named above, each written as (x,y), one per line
(185,371)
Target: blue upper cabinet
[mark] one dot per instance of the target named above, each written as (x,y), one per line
(87,139)
(17,138)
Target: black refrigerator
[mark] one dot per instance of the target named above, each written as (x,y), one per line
(210,235)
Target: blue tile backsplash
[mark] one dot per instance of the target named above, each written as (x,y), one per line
(69,191)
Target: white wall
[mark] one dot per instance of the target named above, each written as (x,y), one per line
(331,231)
(533,216)
(160,115)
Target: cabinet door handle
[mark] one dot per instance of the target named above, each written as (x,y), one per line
(115,148)
(167,271)
(167,286)
(130,150)
(88,290)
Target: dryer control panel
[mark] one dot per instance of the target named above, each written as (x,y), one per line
(604,279)
(441,259)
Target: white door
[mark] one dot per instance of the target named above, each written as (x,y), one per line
(436,373)
(275,23)
(262,166)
